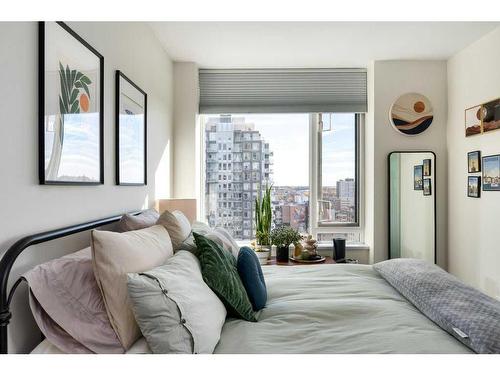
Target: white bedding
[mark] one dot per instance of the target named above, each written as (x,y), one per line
(341,308)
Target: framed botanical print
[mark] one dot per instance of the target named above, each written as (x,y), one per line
(131,132)
(71,103)
(418,177)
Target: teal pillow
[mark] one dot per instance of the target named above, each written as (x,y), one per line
(218,268)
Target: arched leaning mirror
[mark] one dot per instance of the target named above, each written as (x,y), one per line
(412,205)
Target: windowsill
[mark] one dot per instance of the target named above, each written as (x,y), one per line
(322,245)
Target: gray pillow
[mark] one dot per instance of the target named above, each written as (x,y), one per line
(145,219)
(469,315)
(174,308)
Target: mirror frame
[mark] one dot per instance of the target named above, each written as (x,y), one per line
(389,198)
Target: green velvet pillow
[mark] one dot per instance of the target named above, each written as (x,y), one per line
(218,268)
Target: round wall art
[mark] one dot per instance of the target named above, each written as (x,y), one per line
(411,114)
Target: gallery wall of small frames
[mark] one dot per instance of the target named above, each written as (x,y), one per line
(421,177)
(489,166)
(481,119)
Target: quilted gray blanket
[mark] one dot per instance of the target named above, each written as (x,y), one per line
(469,315)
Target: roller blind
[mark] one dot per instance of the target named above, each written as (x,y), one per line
(282,90)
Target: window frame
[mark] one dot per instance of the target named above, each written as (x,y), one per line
(316,177)
(314,182)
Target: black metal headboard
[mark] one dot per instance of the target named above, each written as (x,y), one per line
(15,250)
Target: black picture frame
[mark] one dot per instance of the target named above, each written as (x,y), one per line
(427,167)
(471,192)
(491,173)
(471,156)
(118,76)
(427,189)
(418,177)
(43,180)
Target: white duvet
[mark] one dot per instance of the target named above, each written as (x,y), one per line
(339,308)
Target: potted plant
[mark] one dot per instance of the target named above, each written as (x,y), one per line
(282,237)
(263,219)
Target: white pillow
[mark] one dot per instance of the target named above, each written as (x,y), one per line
(177,225)
(174,308)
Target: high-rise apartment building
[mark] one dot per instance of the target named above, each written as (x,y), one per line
(238,166)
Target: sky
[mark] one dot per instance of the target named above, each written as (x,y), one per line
(288,138)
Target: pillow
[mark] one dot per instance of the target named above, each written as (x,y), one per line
(116,254)
(252,278)
(68,306)
(218,235)
(177,225)
(176,311)
(218,268)
(143,220)
(464,312)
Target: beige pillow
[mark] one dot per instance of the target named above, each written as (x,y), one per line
(116,254)
(177,225)
(143,220)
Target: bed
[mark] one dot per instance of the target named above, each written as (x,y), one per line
(329,308)
(338,308)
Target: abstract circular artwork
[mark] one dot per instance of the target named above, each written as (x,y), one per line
(411,114)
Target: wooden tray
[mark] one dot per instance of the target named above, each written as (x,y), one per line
(320,260)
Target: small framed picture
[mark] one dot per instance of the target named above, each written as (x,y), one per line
(427,167)
(131,132)
(417,177)
(427,186)
(491,173)
(474,161)
(473,121)
(474,186)
(491,115)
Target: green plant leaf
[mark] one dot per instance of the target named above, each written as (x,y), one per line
(75,107)
(62,107)
(85,87)
(85,80)
(79,75)
(74,95)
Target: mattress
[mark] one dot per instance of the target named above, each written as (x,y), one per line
(338,308)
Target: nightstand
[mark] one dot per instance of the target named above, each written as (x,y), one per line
(273,262)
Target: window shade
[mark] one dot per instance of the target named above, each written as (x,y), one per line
(282,90)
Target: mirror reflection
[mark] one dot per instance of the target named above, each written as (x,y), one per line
(412,205)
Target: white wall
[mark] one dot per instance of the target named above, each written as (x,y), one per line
(474,247)
(27,207)
(186,132)
(389,80)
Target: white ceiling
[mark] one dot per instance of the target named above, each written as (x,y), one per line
(314,44)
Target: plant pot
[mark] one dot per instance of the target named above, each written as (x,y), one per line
(263,256)
(282,254)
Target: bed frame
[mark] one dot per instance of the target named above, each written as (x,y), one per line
(16,249)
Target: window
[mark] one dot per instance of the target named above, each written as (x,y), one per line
(337,169)
(278,150)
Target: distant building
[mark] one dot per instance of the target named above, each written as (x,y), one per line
(346,190)
(238,166)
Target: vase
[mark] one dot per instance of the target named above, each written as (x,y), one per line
(282,254)
(263,256)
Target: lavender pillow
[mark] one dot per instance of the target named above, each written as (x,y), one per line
(68,306)
(143,220)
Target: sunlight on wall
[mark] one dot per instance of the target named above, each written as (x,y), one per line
(145,204)
(162,173)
